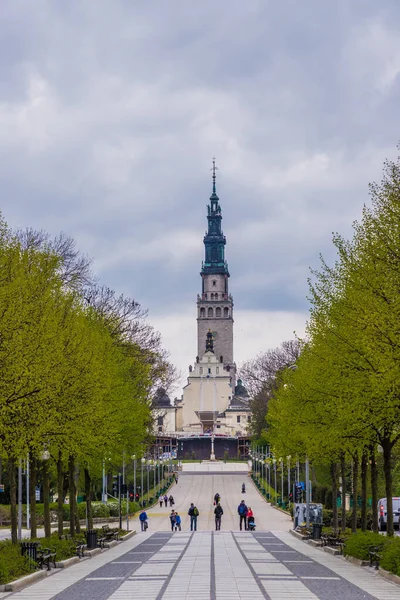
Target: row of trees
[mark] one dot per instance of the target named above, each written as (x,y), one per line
(342,401)
(79,365)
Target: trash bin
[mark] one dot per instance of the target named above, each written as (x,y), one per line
(316,531)
(29,549)
(91,539)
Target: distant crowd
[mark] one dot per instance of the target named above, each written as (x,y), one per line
(246,516)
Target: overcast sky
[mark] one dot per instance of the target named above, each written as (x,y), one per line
(110,114)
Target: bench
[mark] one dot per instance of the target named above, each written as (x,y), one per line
(45,556)
(109,534)
(80,545)
(375,556)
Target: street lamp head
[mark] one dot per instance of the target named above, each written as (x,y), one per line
(143,461)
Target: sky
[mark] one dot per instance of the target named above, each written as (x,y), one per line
(111,112)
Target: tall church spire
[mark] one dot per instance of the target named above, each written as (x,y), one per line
(214,239)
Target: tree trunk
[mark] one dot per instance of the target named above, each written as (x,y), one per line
(46,498)
(374,489)
(12,474)
(32,495)
(387,469)
(355,488)
(60,492)
(364,475)
(77,519)
(88,494)
(334,496)
(343,475)
(72,494)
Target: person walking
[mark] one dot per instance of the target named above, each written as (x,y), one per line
(218,512)
(161,500)
(242,512)
(172,519)
(217,498)
(166,500)
(177,522)
(171,501)
(193,513)
(143,520)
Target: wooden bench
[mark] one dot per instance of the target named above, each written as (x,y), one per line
(45,556)
(375,556)
(110,534)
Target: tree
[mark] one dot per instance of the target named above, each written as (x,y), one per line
(261,376)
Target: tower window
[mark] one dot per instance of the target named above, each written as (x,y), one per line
(202,312)
(210,312)
(238,419)
(226,311)
(218,311)
(216,296)
(214,283)
(209,371)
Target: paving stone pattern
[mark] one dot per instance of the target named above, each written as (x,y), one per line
(212,565)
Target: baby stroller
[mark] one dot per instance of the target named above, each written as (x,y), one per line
(251,524)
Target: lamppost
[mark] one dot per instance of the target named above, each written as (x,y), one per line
(288,477)
(134,477)
(148,479)
(276,491)
(142,462)
(307,493)
(281,464)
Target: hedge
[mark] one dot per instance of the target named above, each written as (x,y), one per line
(358,544)
(12,564)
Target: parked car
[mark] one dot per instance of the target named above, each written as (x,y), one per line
(382,513)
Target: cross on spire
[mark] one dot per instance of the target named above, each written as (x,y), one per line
(214,168)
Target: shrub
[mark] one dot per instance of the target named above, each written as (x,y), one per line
(358,543)
(100,510)
(5,513)
(12,564)
(391,556)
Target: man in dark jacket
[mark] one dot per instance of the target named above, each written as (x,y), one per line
(218,512)
(193,513)
(217,498)
(242,512)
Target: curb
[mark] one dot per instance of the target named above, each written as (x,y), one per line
(68,562)
(357,561)
(128,536)
(315,543)
(297,535)
(389,576)
(331,550)
(111,544)
(18,584)
(90,553)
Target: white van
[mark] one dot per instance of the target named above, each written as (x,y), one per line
(382,513)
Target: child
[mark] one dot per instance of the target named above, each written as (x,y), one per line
(177,522)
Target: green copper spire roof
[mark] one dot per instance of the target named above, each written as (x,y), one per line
(214,239)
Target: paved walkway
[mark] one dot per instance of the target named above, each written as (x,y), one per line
(234,565)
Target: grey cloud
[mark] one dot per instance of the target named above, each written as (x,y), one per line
(111,112)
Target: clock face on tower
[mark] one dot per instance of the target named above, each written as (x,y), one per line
(215,335)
